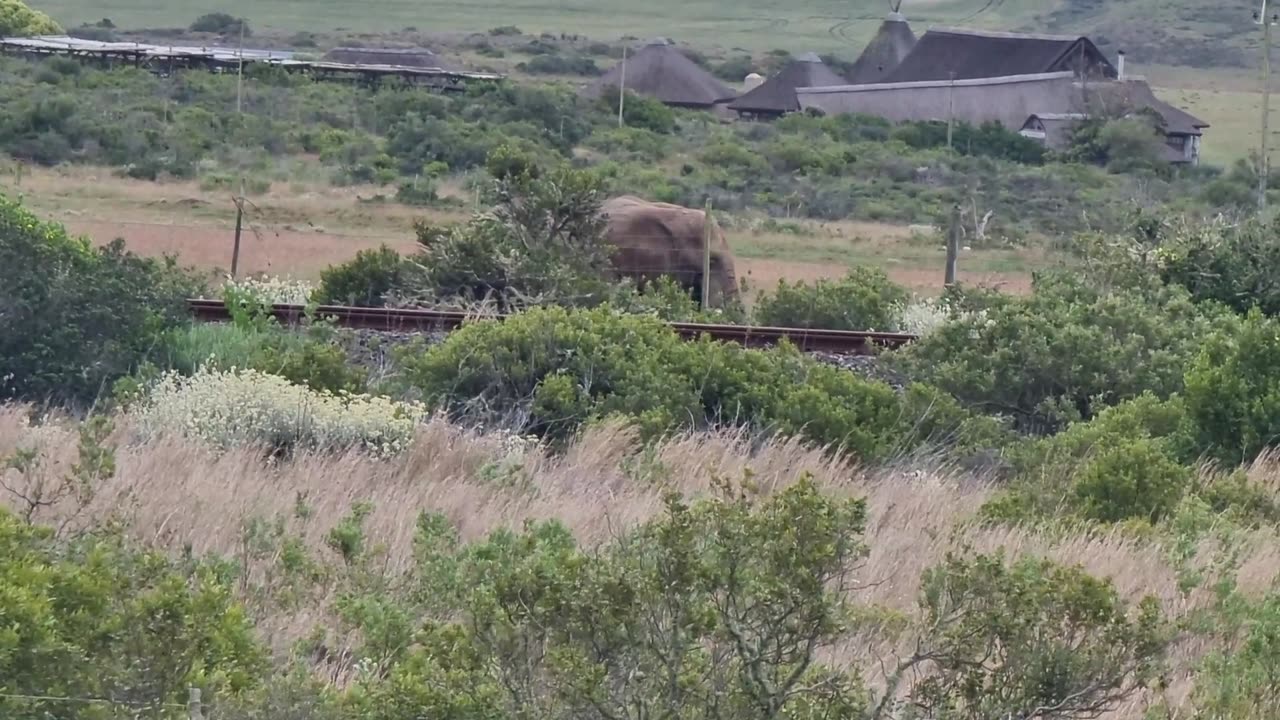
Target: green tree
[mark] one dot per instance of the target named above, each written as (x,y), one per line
(1233,389)
(76,317)
(543,241)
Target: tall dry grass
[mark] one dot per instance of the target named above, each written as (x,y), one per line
(176,495)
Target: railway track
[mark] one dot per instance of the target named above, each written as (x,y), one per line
(413,320)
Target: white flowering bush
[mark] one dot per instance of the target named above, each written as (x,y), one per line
(236,407)
(271,290)
(922,316)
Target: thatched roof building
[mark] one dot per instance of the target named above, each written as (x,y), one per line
(1046,106)
(1009,100)
(891,45)
(965,54)
(661,71)
(396,57)
(777,95)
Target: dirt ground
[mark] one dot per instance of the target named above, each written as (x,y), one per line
(299,230)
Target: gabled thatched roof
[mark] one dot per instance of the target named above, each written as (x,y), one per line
(661,71)
(778,94)
(400,57)
(882,55)
(971,54)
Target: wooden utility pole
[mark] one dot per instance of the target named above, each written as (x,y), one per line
(951,109)
(953,245)
(1264,162)
(708,230)
(622,85)
(235,248)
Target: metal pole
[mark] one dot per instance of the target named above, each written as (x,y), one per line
(953,245)
(1264,163)
(708,228)
(622,85)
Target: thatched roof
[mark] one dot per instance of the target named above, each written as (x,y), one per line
(661,71)
(971,54)
(778,94)
(399,57)
(1056,99)
(887,49)
(1135,94)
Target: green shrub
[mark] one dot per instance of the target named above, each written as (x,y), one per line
(1233,389)
(1133,478)
(93,618)
(1064,353)
(556,64)
(990,652)
(557,630)
(865,299)
(640,111)
(1241,683)
(1131,461)
(1233,264)
(88,316)
(222,24)
(364,281)
(550,370)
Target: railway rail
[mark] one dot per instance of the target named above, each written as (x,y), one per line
(415,320)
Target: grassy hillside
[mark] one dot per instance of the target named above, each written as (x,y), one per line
(1181,32)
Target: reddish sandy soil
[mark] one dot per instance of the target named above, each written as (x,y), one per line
(304,254)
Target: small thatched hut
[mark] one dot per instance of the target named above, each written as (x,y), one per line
(661,71)
(887,49)
(397,57)
(777,95)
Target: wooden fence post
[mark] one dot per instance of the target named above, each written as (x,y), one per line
(235,248)
(707,236)
(953,245)
(194,711)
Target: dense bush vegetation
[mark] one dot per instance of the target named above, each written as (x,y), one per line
(864,300)
(76,317)
(1065,352)
(551,370)
(820,167)
(726,606)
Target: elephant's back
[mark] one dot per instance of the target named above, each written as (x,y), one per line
(633,218)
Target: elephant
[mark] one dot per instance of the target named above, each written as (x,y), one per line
(652,239)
